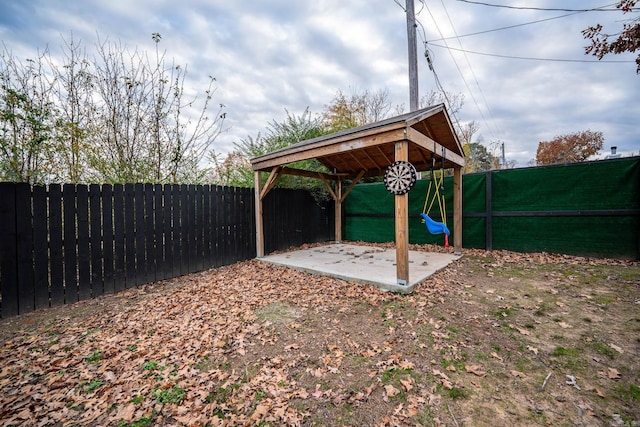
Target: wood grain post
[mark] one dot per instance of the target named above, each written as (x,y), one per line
(259,223)
(338,211)
(402,222)
(457,210)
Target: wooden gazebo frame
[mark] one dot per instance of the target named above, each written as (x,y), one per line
(417,137)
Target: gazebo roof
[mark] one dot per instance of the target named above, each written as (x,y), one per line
(371,148)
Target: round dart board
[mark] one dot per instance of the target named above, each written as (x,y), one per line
(400,177)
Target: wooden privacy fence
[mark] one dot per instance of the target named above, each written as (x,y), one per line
(63,243)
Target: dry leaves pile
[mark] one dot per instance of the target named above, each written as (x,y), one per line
(255,344)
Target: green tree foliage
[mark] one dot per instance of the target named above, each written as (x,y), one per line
(121,116)
(357,109)
(25,120)
(478,158)
(627,40)
(235,168)
(570,148)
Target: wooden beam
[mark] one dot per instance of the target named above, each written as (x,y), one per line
(457,210)
(338,211)
(402,222)
(429,144)
(378,136)
(286,170)
(328,187)
(353,183)
(258,213)
(271,181)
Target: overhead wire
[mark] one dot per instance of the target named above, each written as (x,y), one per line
(464,80)
(530,58)
(550,9)
(506,28)
(475,78)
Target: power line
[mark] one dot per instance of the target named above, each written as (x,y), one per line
(473,98)
(507,27)
(595,9)
(475,78)
(526,57)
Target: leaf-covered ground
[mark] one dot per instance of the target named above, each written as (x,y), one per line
(497,338)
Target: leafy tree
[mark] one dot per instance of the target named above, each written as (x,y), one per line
(360,108)
(627,40)
(74,128)
(235,169)
(121,116)
(25,120)
(570,148)
(478,158)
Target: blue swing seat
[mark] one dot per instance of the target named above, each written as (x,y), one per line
(433,226)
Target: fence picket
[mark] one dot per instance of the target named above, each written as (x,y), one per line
(95,240)
(84,258)
(8,261)
(40,247)
(120,279)
(129,236)
(107,239)
(56,290)
(70,252)
(149,236)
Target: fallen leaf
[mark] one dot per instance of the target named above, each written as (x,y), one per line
(125,413)
(517,374)
(564,325)
(475,370)
(317,394)
(451,368)
(613,374)
(407,384)
(522,331)
(390,390)
(532,349)
(559,303)
(496,356)
(616,348)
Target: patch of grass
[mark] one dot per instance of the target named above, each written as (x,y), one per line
(562,351)
(604,349)
(457,393)
(458,364)
(132,347)
(174,394)
(142,422)
(137,399)
(278,313)
(89,386)
(630,393)
(221,394)
(149,366)
(94,358)
(501,314)
(393,374)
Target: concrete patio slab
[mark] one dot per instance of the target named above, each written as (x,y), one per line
(363,264)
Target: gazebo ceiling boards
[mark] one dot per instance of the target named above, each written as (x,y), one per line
(421,137)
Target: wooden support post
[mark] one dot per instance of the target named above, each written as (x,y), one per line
(258,208)
(457,210)
(338,211)
(402,222)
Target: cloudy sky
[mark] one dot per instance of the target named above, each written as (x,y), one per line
(269,56)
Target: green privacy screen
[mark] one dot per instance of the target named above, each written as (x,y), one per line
(590,208)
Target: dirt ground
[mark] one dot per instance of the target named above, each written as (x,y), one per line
(495,339)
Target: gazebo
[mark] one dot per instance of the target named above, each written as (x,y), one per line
(420,138)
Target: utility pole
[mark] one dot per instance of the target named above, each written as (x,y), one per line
(413,56)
